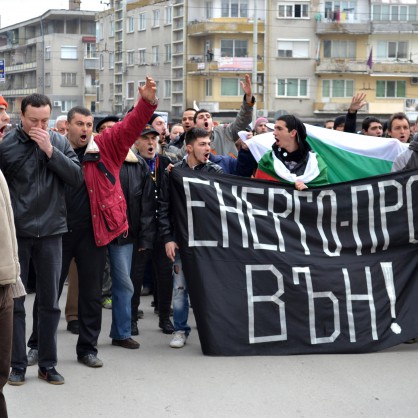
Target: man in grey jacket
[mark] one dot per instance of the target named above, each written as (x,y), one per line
(223,137)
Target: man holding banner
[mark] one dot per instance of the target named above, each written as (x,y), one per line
(291,159)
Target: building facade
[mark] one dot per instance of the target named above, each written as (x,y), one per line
(53,54)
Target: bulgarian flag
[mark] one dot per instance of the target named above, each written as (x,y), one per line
(347,156)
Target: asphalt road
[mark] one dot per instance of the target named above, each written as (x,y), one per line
(158,381)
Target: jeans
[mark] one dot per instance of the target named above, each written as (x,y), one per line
(46,254)
(120,257)
(180,298)
(6,323)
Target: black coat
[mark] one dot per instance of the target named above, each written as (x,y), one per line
(137,187)
(36,182)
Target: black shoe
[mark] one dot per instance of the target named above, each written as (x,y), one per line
(91,360)
(73,327)
(16,377)
(134,328)
(50,375)
(140,314)
(127,343)
(166,326)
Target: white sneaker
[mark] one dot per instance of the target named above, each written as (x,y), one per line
(178,340)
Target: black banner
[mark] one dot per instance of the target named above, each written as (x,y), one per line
(272,270)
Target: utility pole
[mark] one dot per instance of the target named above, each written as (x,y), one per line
(255,60)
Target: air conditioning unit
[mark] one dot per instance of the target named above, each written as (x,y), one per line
(262,113)
(414,80)
(57,103)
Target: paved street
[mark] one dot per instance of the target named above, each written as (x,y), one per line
(158,381)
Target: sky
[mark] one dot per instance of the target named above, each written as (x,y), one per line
(15,11)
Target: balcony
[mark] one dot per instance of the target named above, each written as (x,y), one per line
(351,26)
(21,67)
(231,25)
(341,65)
(19,92)
(197,65)
(336,106)
(399,69)
(91,63)
(394,27)
(90,90)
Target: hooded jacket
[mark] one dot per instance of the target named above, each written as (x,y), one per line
(103,159)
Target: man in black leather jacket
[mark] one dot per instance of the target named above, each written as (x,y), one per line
(197,142)
(37,163)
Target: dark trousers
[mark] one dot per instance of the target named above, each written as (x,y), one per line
(90,260)
(163,278)
(6,324)
(46,255)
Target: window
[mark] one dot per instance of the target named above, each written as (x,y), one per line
(142,21)
(168,15)
(68,79)
(69,53)
(167,48)
(167,88)
(290,48)
(395,88)
(48,53)
(208,87)
(47,79)
(208,10)
(393,12)
(130,24)
(155,55)
(130,90)
(111,60)
(155,18)
(392,49)
(99,30)
(66,105)
(337,88)
(112,29)
(142,57)
(293,10)
(234,8)
(230,87)
(292,87)
(101,62)
(341,10)
(234,48)
(130,58)
(90,50)
(339,49)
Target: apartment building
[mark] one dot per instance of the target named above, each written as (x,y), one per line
(196,51)
(369,46)
(53,54)
(306,57)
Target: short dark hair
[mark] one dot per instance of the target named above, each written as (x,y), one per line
(78,109)
(193,134)
(367,121)
(398,115)
(35,100)
(198,112)
(292,122)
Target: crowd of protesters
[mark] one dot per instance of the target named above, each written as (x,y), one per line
(83,202)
